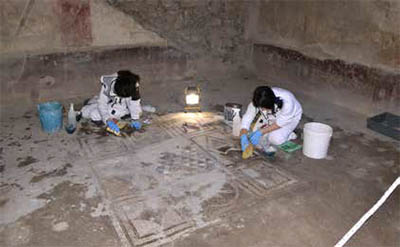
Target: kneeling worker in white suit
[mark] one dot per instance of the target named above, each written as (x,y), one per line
(270,119)
(119,96)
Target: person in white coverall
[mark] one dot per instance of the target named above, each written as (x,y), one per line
(119,97)
(270,119)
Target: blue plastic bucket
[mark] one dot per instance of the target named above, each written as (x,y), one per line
(51,116)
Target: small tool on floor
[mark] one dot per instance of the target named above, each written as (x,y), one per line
(112,127)
(289,147)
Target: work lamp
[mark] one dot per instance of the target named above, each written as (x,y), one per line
(192,99)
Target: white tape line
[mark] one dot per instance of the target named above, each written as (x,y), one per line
(368,214)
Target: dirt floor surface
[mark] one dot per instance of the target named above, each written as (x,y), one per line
(170,185)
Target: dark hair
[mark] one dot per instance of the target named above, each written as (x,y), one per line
(127,85)
(264,97)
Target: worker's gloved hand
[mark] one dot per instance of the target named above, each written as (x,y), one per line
(113,126)
(244,142)
(255,137)
(136,124)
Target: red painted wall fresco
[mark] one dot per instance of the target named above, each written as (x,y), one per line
(74,21)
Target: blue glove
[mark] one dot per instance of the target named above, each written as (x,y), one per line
(255,137)
(244,142)
(113,126)
(136,124)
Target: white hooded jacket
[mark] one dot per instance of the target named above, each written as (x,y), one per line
(112,106)
(291,111)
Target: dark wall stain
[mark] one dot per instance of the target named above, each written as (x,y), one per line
(198,27)
(380,84)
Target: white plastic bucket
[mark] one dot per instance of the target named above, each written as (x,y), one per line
(316,140)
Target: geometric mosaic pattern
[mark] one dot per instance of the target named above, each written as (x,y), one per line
(145,225)
(95,147)
(262,178)
(176,177)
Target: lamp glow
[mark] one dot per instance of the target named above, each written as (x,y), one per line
(192,99)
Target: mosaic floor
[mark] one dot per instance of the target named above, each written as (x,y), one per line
(176,177)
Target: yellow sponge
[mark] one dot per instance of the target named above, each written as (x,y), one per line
(113,132)
(248,152)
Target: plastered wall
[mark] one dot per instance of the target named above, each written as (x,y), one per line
(358,31)
(352,45)
(48,26)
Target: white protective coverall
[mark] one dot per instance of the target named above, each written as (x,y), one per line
(108,105)
(288,117)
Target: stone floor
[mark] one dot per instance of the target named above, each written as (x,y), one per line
(173,186)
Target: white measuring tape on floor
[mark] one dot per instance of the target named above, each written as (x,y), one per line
(368,214)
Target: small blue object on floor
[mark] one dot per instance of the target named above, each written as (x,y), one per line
(70,129)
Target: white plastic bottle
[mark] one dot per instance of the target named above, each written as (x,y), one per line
(71,124)
(236,122)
